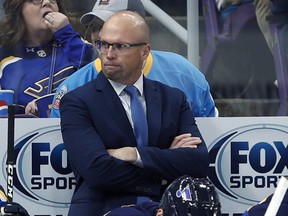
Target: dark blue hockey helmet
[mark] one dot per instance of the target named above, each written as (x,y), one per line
(191,197)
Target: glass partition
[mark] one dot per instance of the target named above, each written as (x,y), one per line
(234,56)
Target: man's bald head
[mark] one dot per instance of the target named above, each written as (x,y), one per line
(132,26)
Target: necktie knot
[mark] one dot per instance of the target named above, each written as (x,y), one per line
(131,90)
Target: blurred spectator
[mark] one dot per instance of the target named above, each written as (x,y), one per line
(222,4)
(263,10)
(266,8)
(260,208)
(226,7)
(38,49)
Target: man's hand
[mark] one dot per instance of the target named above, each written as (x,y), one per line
(126,154)
(185,140)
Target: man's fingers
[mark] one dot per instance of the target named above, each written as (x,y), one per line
(190,144)
(177,139)
(182,136)
(187,142)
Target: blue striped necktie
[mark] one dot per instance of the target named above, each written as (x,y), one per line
(138,116)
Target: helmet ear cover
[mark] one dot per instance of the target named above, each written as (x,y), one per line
(191,197)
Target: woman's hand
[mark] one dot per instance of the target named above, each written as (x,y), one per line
(31,108)
(56,21)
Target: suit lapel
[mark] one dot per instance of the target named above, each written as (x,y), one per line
(153,105)
(113,105)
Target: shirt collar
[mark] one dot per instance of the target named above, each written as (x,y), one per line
(118,87)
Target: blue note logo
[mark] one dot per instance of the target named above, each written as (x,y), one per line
(248,159)
(42,172)
(185,194)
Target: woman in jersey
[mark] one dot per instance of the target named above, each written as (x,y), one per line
(38,49)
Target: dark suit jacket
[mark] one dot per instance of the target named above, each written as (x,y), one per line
(93,120)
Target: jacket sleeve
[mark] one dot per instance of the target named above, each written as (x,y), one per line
(79,51)
(172,163)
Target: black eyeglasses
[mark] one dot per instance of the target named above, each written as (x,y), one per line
(38,2)
(103,46)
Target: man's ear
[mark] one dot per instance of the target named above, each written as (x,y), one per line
(160,212)
(147,50)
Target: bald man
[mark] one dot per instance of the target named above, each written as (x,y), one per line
(112,166)
(166,67)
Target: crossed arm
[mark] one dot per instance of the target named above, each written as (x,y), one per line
(129,154)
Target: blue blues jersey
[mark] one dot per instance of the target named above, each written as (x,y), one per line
(166,67)
(260,208)
(143,209)
(26,70)
(3,197)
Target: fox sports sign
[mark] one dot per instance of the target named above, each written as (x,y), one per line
(42,173)
(248,159)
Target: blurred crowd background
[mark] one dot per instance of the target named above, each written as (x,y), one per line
(242,74)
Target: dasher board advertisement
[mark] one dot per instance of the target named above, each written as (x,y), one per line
(248,155)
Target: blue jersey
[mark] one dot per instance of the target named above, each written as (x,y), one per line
(143,209)
(26,70)
(261,207)
(166,67)
(3,197)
